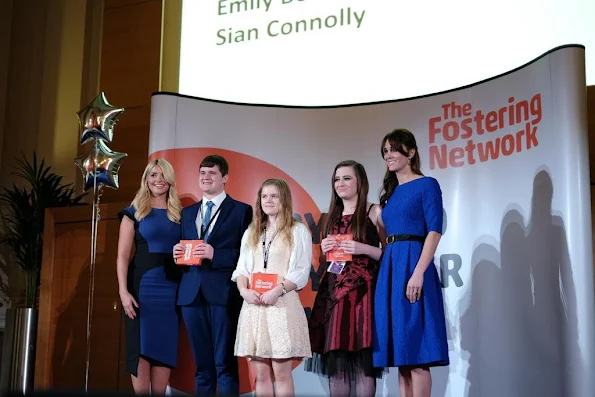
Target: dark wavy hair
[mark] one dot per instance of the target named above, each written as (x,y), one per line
(402,141)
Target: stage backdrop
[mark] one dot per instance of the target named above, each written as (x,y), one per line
(515,258)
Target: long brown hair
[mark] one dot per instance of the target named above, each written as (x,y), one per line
(285,218)
(402,141)
(335,209)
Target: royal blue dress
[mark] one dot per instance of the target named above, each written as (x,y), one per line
(409,333)
(153,282)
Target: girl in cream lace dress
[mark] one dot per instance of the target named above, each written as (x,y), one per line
(272,328)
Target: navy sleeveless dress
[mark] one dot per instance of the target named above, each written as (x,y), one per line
(410,333)
(153,282)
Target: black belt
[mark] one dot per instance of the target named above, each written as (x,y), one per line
(404,237)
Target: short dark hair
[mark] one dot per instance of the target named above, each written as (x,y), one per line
(215,160)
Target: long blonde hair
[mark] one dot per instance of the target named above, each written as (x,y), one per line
(285,220)
(142,199)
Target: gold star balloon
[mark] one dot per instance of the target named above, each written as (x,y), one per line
(100,166)
(98,119)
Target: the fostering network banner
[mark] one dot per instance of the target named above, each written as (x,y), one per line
(515,258)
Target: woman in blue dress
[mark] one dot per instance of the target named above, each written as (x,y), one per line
(148,284)
(409,322)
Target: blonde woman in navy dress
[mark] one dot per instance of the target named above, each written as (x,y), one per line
(148,284)
(409,322)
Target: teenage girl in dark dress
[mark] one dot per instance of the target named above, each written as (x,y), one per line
(341,320)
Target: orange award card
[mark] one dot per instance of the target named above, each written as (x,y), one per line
(337,254)
(263,282)
(189,259)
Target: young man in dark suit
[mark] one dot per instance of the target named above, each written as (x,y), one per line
(210,302)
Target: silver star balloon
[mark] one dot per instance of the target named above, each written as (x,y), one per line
(100,166)
(98,119)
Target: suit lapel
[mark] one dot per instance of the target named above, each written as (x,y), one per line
(226,207)
(190,223)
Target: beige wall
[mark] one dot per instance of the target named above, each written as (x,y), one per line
(5,36)
(5,40)
(44,78)
(23,82)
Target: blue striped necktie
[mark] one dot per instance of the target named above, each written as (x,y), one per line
(205,221)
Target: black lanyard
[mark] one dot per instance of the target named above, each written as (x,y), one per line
(266,248)
(203,229)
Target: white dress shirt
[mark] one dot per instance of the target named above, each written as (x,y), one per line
(217,201)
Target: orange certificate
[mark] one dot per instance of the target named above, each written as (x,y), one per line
(337,254)
(263,282)
(188,258)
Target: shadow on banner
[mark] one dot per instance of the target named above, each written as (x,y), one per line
(521,322)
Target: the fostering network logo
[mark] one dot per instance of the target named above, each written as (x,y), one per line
(463,136)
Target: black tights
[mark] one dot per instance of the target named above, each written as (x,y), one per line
(340,385)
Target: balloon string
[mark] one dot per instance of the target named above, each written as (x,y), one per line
(94,226)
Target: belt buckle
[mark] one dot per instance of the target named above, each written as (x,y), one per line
(393,237)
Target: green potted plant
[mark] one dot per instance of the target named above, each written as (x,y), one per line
(23,211)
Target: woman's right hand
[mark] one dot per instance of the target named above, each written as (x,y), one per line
(128,304)
(328,244)
(250,296)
